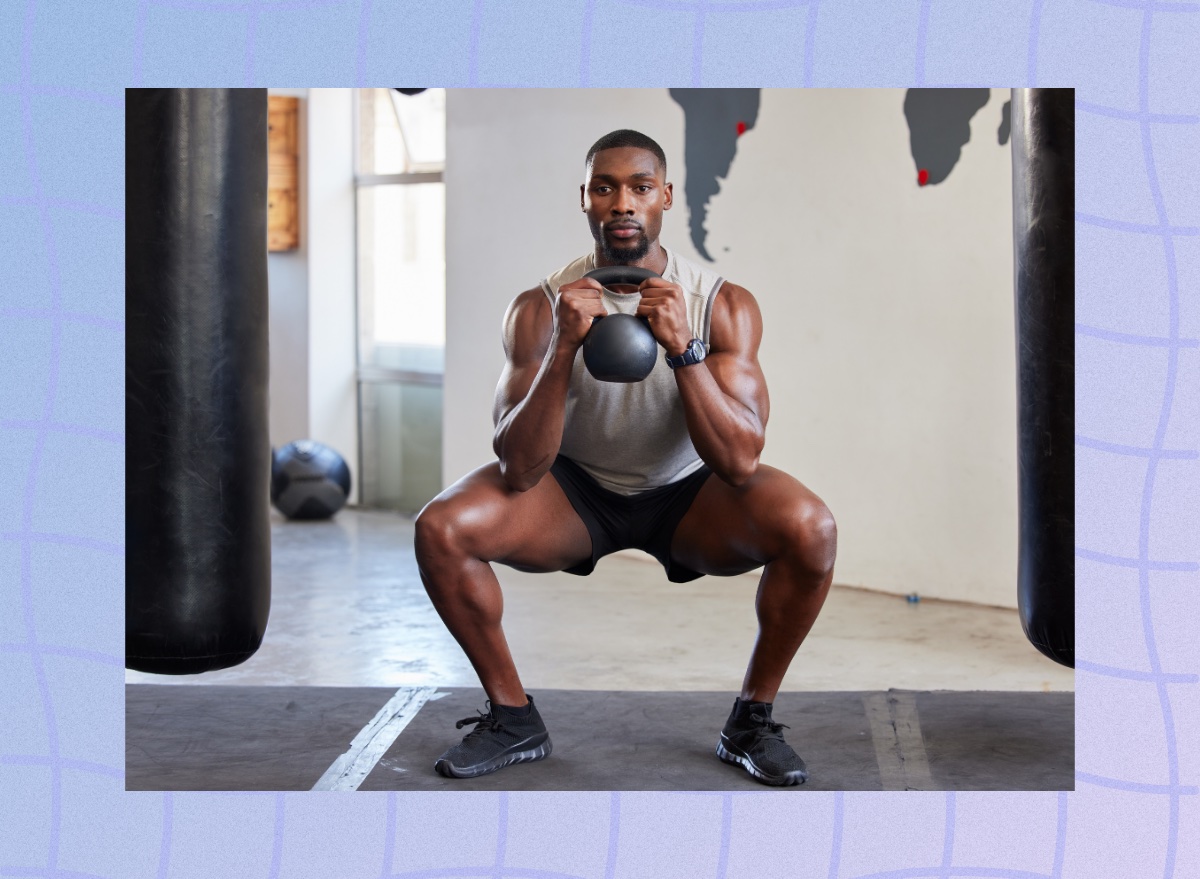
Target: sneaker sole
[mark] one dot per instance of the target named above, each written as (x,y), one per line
(735,757)
(521,752)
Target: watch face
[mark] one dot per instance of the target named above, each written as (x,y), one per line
(693,353)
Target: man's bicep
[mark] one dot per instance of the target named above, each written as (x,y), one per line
(526,336)
(515,382)
(733,350)
(741,378)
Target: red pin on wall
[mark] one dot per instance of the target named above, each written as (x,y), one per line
(741,128)
(922,177)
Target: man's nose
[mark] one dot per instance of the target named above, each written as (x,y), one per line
(623,204)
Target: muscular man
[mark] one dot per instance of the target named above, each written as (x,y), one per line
(668,465)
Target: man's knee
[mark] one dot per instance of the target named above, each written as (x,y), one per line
(809,534)
(438,533)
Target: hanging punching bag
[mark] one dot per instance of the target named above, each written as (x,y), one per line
(1043,155)
(197,457)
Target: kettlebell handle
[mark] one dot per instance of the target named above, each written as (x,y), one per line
(611,275)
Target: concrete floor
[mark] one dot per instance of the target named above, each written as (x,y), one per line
(297,738)
(348,610)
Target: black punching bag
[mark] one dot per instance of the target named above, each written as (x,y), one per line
(197,457)
(1043,151)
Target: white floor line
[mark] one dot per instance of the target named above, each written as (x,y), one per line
(899,745)
(351,769)
(912,742)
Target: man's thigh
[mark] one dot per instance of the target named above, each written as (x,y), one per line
(731,530)
(536,530)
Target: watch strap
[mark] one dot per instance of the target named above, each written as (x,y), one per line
(694,353)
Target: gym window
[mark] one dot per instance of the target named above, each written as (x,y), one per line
(400,156)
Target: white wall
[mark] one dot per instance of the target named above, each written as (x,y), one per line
(312,332)
(332,389)
(287,281)
(888,345)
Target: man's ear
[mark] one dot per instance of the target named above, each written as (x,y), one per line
(668,196)
(581,207)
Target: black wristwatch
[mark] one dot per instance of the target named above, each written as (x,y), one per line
(694,353)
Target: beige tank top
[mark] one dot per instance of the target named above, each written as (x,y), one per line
(634,437)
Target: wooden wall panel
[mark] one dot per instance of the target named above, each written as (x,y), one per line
(283,173)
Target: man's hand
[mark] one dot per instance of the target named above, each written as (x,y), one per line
(577,305)
(664,306)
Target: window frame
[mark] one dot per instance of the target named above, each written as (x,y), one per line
(377,375)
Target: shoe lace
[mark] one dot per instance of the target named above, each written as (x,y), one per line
(770,729)
(483,723)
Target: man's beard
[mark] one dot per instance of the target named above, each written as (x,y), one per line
(625,253)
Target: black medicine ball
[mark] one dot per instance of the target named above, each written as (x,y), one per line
(309,480)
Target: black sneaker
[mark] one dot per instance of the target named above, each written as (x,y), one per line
(752,740)
(500,738)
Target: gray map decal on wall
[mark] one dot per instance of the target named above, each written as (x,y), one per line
(939,126)
(713,121)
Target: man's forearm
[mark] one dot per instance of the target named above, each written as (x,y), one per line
(727,435)
(527,438)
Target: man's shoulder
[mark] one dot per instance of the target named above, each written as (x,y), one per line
(735,316)
(527,325)
(735,292)
(572,271)
(692,276)
(734,298)
(527,303)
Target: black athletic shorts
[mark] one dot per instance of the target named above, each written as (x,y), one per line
(646,520)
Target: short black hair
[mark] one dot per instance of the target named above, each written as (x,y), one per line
(627,137)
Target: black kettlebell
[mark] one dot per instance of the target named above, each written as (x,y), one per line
(620,347)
